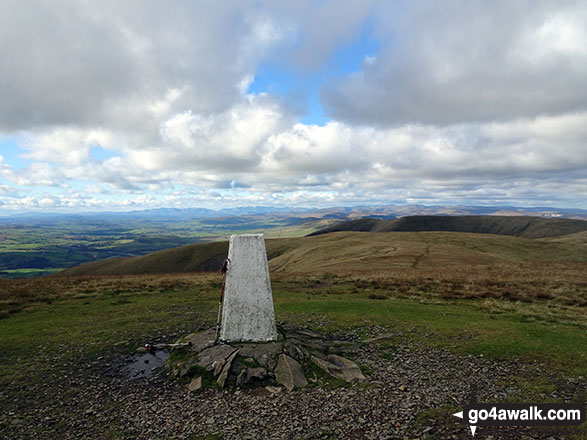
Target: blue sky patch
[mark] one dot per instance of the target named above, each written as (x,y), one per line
(289,83)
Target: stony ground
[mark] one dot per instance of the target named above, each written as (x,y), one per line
(410,394)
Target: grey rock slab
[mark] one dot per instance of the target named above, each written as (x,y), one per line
(302,333)
(224,374)
(249,375)
(202,340)
(266,354)
(256,373)
(289,373)
(339,367)
(296,351)
(247,350)
(273,390)
(195,384)
(316,344)
(343,347)
(241,378)
(184,369)
(213,358)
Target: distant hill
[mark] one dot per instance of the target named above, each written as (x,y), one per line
(519,226)
(206,257)
(351,252)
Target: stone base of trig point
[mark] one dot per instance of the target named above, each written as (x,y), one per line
(247,311)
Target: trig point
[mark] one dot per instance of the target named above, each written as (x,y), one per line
(247,311)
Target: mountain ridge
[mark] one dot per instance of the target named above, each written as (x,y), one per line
(518,226)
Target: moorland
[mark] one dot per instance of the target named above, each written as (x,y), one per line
(37,244)
(472,297)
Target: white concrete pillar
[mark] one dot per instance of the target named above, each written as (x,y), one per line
(247,310)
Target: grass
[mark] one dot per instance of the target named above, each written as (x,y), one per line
(502,297)
(64,324)
(491,295)
(461,325)
(85,323)
(97,312)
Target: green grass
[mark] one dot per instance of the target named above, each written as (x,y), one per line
(20,273)
(78,329)
(92,317)
(106,316)
(463,326)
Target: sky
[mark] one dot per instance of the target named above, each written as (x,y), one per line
(140,104)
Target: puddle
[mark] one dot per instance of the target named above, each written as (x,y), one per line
(144,365)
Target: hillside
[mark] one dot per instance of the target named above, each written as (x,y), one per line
(522,226)
(578,238)
(344,252)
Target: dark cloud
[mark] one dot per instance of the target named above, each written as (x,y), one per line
(452,61)
(119,64)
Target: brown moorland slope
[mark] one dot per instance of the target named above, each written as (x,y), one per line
(351,252)
(519,226)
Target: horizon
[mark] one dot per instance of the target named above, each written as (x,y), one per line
(143,105)
(546,211)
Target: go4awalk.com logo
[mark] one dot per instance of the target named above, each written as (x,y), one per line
(522,414)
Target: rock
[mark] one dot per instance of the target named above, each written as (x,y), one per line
(316,344)
(141,350)
(295,351)
(240,380)
(247,349)
(202,340)
(224,374)
(266,354)
(214,356)
(273,390)
(289,373)
(339,367)
(343,347)
(183,369)
(302,333)
(195,384)
(247,375)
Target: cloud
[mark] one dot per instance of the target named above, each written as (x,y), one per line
(469,101)
(65,145)
(125,64)
(254,149)
(313,42)
(455,62)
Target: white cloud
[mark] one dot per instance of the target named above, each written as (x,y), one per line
(125,64)
(65,145)
(453,62)
(255,150)
(463,101)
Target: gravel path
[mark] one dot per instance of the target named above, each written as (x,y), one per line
(409,395)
